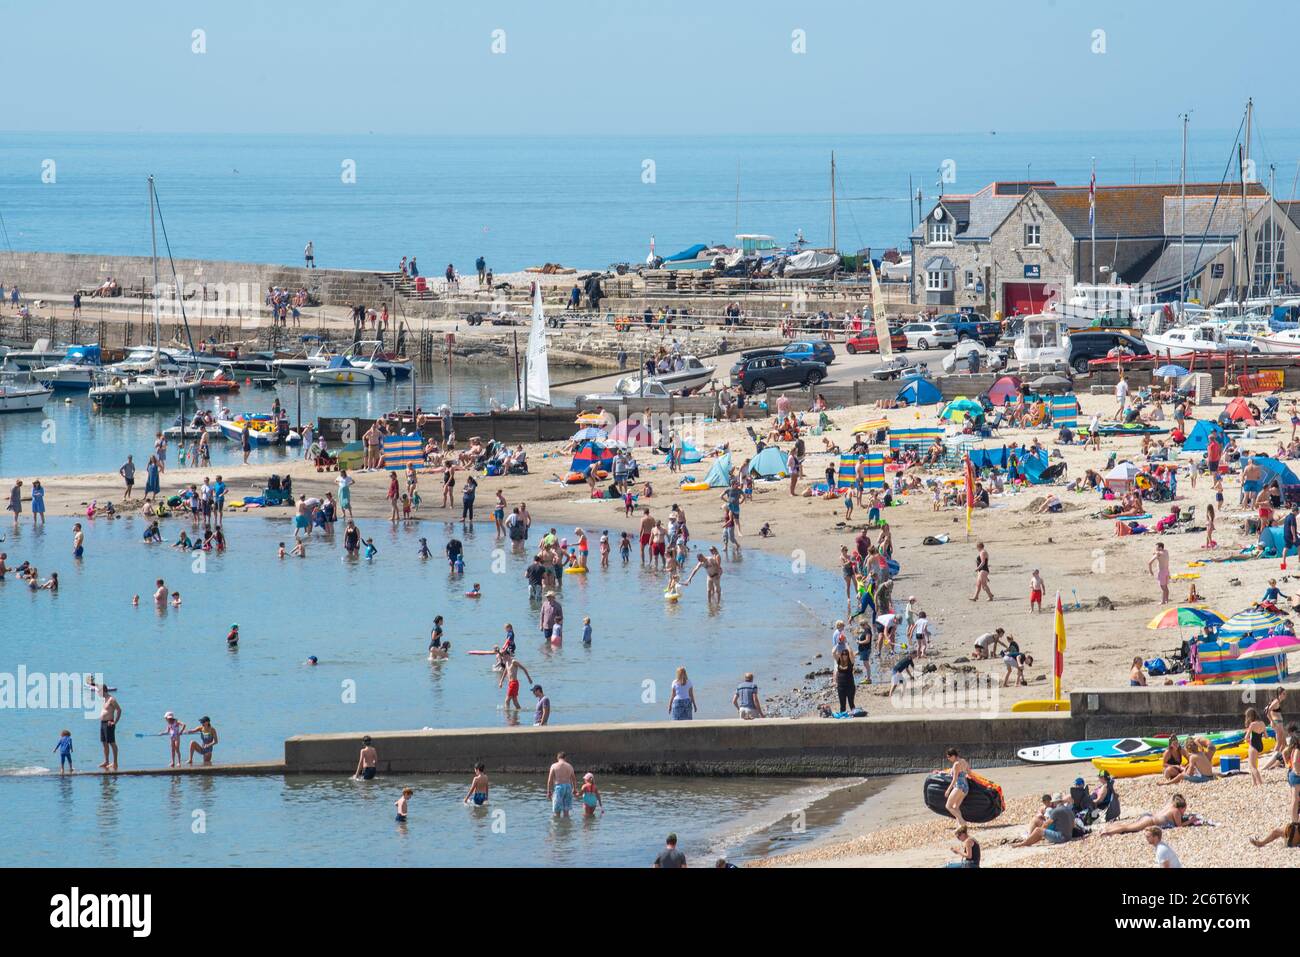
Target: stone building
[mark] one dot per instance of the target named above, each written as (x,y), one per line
(1019,247)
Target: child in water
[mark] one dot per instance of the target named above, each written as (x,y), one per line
(474,592)
(403,803)
(586,629)
(557,634)
(64,747)
(478,788)
(625,548)
(369,550)
(232,638)
(424,549)
(300,548)
(604,549)
(590,796)
(281,552)
(176,599)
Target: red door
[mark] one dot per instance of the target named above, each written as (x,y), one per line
(1023,298)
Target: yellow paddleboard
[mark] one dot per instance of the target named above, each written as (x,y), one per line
(1154,763)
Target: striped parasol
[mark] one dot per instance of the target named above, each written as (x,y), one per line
(1251,623)
(1185,615)
(1272,647)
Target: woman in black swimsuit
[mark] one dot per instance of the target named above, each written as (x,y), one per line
(1255,729)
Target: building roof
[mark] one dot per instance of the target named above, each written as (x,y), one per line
(1127,211)
(977,215)
(1194,255)
(1292,208)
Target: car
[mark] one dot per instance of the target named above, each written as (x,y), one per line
(972,325)
(758,373)
(929,335)
(868,341)
(814,349)
(1089,344)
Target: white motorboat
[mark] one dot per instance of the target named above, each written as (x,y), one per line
(629,388)
(40,354)
(958,359)
(340,371)
(1288,340)
(301,366)
(1043,343)
(369,353)
(76,373)
(692,375)
(1202,337)
(22,396)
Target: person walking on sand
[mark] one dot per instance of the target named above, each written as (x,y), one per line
(110,713)
(127,471)
(981,573)
(1160,559)
(1121,397)
(561,781)
(959,787)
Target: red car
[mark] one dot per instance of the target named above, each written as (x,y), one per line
(868,342)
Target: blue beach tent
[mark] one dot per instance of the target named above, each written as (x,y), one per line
(1199,440)
(768,463)
(1275,471)
(919,392)
(720,473)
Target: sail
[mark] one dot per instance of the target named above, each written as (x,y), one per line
(878,314)
(539,374)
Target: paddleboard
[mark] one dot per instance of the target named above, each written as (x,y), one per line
(480,652)
(1068,751)
(1050,705)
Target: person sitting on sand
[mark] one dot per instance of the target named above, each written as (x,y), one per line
(1198,769)
(1288,832)
(1054,824)
(1171,816)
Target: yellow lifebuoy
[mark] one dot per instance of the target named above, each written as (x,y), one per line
(575,570)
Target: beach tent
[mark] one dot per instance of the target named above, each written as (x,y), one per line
(1274,541)
(919,392)
(720,472)
(959,408)
(873,470)
(920,439)
(769,463)
(632,433)
(1238,410)
(1032,465)
(1120,478)
(690,454)
(1006,389)
(1199,439)
(1275,471)
(401,451)
(990,458)
(1065,411)
(589,455)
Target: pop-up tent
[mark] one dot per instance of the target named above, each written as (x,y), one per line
(1005,390)
(591,455)
(769,463)
(1120,478)
(720,473)
(1275,471)
(919,392)
(873,470)
(632,433)
(1199,439)
(1273,539)
(1033,464)
(1238,410)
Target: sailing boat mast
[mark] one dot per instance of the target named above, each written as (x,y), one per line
(1182,228)
(834,231)
(157,319)
(1245,222)
(1272,236)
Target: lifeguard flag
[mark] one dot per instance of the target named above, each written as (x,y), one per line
(1059,666)
(970,492)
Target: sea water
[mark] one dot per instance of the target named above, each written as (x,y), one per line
(368,624)
(581,200)
(69,437)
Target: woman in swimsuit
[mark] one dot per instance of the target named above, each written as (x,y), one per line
(1273,715)
(960,785)
(1170,817)
(1255,729)
(1173,759)
(207,740)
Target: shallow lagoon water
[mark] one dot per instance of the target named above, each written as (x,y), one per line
(368,624)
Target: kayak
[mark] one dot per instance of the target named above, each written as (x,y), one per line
(1154,763)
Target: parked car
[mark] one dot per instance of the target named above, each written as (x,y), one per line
(814,349)
(929,335)
(868,341)
(758,373)
(972,325)
(1089,344)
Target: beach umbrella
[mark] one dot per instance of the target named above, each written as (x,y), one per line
(589,418)
(1170,372)
(870,426)
(959,408)
(1185,615)
(1048,383)
(1124,472)
(1271,647)
(590,432)
(1249,623)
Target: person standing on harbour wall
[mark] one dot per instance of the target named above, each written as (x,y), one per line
(309,255)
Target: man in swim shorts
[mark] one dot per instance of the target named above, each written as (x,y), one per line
(511,671)
(109,715)
(647,526)
(560,784)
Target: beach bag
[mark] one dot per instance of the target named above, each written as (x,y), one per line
(1156,667)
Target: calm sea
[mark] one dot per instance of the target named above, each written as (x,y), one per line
(581,200)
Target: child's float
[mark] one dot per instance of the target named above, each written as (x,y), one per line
(983,803)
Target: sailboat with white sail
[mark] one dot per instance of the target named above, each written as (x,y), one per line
(537,373)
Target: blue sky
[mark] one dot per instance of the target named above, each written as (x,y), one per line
(620,67)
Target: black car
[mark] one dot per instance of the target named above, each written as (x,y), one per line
(1089,344)
(756,373)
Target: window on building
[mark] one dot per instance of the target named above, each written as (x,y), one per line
(970,278)
(940,231)
(938,280)
(1033,234)
(1270,259)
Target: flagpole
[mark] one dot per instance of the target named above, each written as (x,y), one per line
(1092,217)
